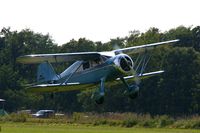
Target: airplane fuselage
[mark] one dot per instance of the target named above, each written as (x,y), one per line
(110,70)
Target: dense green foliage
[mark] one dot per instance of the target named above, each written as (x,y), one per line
(176,92)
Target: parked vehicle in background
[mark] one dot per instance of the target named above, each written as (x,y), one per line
(44,114)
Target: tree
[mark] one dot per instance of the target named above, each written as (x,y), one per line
(196,38)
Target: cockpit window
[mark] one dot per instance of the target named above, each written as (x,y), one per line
(86,65)
(90,64)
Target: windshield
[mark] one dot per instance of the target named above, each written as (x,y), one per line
(40,112)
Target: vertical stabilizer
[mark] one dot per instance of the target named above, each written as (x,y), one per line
(46,73)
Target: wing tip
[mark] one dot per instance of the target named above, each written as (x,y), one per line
(21,59)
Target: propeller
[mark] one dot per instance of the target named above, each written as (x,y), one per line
(115,47)
(133,72)
(136,76)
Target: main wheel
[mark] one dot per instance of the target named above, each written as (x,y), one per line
(133,95)
(99,100)
(97,97)
(133,91)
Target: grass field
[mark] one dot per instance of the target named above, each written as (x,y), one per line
(43,128)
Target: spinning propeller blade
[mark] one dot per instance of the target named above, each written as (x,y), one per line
(134,73)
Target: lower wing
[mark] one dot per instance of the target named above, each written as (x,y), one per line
(144,75)
(77,86)
(59,87)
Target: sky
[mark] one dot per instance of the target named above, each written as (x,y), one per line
(96,20)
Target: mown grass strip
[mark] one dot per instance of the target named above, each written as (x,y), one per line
(59,128)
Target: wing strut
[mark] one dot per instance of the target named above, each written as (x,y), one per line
(142,64)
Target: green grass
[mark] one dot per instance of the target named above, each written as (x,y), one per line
(63,128)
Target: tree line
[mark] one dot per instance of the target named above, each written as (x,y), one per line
(176,92)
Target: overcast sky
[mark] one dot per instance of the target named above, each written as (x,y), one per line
(97,20)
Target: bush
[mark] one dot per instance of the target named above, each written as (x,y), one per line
(14,117)
(149,123)
(4,118)
(100,122)
(21,117)
(196,125)
(165,121)
(129,123)
(114,123)
(76,116)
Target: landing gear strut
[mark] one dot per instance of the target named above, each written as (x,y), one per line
(98,95)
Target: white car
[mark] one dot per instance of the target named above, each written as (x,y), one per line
(44,113)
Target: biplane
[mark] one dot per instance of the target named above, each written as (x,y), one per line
(92,69)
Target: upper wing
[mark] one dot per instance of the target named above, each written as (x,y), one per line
(58,57)
(64,57)
(138,49)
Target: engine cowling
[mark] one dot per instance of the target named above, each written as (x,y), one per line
(124,62)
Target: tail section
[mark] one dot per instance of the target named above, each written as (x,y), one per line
(46,73)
